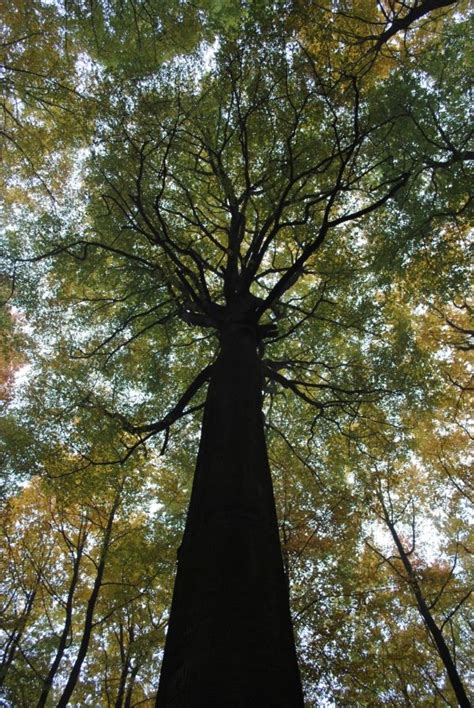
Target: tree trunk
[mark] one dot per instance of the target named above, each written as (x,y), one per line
(230,641)
(436,633)
(91,603)
(131,683)
(14,639)
(48,682)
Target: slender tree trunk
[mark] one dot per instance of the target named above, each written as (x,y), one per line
(125,660)
(15,637)
(48,682)
(436,634)
(230,641)
(91,603)
(131,683)
(123,680)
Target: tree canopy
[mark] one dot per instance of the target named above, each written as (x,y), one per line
(172,167)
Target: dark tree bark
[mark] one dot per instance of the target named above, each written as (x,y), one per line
(14,639)
(436,633)
(91,603)
(230,641)
(63,639)
(131,683)
(123,678)
(415,13)
(125,656)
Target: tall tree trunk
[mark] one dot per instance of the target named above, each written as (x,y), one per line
(91,603)
(436,633)
(125,660)
(230,641)
(48,682)
(131,683)
(13,641)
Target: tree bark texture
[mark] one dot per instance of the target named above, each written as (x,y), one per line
(230,640)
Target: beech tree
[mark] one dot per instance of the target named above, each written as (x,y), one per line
(252,223)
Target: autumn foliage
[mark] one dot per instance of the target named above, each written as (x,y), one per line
(175,171)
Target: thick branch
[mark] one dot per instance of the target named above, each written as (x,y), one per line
(400,24)
(179,409)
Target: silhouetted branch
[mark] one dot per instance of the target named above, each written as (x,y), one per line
(177,411)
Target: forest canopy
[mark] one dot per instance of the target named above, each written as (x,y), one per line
(178,178)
